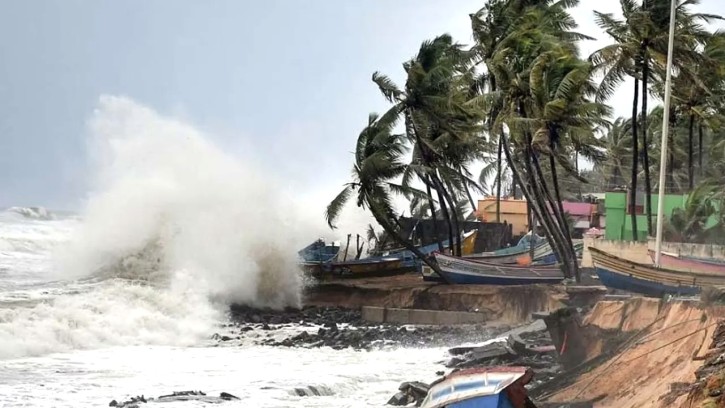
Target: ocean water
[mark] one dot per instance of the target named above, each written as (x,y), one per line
(122,298)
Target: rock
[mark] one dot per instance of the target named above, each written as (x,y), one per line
(400,399)
(266,327)
(113,403)
(225,338)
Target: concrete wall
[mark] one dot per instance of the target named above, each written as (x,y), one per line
(637,251)
(698,250)
(419,316)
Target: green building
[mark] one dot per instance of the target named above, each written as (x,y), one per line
(619,219)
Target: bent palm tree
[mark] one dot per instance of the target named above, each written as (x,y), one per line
(378,161)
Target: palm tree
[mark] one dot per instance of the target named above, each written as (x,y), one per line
(442,128)
(378,161)
(536,36)
(640,51)
(617,144)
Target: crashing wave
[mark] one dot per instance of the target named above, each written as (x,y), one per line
(35,213)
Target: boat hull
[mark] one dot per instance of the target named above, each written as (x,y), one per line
(645,287)
(521,256)
(467,272)
(672,261)
(359,269)
(623,274)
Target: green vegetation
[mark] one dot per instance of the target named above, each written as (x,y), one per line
(525,103)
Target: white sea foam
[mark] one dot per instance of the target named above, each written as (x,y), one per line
(162,186)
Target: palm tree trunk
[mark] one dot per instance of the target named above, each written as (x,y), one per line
(434,216)
(518,179)
(671,152)
(454,213)
(690,148)
(645,144)
(446,214)
(699,147)
(545,209)
(468,192)
(358,247)
(557,209)
(390,229)
(565,224)
(498,184)
(635,162)
(576,168)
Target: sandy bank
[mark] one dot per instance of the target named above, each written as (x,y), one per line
(666,345)
(504,304)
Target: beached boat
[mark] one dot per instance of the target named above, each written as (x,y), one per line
(319,252)
(484,387)
(550,256)
(689,264)
(512,257)
(618,273)
(378,266)
(466,271)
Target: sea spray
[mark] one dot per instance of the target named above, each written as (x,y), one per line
(172,232)
(161,184)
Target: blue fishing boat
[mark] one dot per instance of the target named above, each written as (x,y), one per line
(483,387)
(466,271)
(519,254)
(618,273)
(319,252)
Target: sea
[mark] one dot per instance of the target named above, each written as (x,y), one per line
(122,297)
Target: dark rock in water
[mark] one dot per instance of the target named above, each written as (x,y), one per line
(225,338)
(313,391)
(332,326)
(228,397)
(400,399)
(409,392)
(113,403)
(266,327)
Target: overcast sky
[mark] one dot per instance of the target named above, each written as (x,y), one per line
(289,80)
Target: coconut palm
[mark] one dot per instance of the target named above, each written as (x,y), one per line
(640,52)
(519,108)
(378,161)
(617,143)
(443,130)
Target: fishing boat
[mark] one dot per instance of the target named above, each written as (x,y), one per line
(690,264)
(484,387)
(550,256)
(466,271)
(368,267)
(319,252)
(618,273)
(512,257)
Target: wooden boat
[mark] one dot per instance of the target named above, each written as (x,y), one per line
(378,266)
(689,264)
(484,387)
(550,256)
(649,280)
(466,271)
(514,256)
(319,252)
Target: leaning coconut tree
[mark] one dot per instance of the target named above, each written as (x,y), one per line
(378,162)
